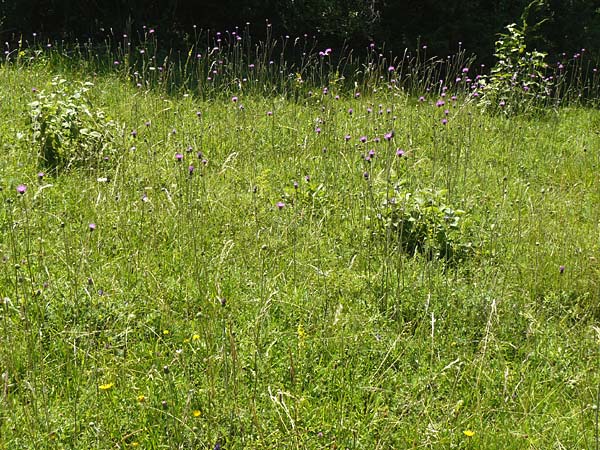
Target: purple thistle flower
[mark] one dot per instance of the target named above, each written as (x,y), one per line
(234,99)
(295,185)
(191,169)
(377,140)
(388,136)
(444,121)
(440,103)
(280,205)
(92,226)
(391,69)
(371,153)
(41,175)
(317,130)
(363,139)
(178,157)
(357,95)
(350,111)
(561,269)
(421,99)
(347,137)
(21,189)
(502,103)
(399,153)
(366,175)
(133,133)
(269,113)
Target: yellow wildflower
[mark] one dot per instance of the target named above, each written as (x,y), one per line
(141,398)
(106,387)
(196,413)
(469,433)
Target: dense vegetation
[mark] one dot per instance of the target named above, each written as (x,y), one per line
(245,243)
(567,26)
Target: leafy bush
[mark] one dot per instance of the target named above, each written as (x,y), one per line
(69,130)
(517,81)
(421,222)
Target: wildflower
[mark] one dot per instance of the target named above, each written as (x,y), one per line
(178,157)
(317,130)
(141,398)
(399,153)
(92,226)
(440,103)
(388,136)
(280,205)
(166,332)
(421,99)
(502,103)
(357,95)
(347,137)
(391,69)
(21,189)
(444,121)
(106,387)
(234,99)
(269,113)
(371,153)
(196,413)
(195,337)
(363,139)
(469,433)
(350,111)
(561,269)
(191,170)
(366,175)
(133,133)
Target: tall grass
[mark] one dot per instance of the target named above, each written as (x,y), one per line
(266,263)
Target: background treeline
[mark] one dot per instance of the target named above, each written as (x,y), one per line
(568,26)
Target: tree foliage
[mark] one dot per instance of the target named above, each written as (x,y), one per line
(441,25)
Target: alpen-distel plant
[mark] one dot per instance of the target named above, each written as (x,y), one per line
(69,129)
(518,80)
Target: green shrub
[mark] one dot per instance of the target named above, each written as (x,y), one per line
(517,81)
(421,222)
(69,130)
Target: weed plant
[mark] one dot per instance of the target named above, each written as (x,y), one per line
(302,254)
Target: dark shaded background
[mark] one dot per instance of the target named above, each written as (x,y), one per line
(570,25)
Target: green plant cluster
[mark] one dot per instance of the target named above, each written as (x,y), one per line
(421,222)
(518,79)
(69,129)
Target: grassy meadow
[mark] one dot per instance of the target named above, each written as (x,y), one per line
(317,266)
